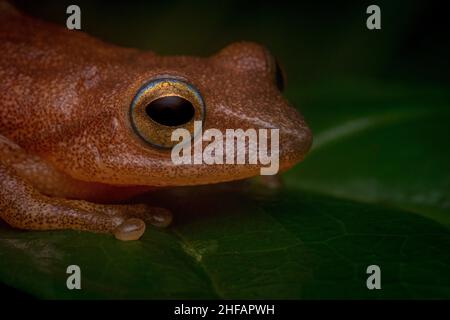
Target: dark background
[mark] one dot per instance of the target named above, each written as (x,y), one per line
(332,60)
(316,40)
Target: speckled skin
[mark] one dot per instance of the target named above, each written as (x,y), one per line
(65,131)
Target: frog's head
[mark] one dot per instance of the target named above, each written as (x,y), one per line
(240,87)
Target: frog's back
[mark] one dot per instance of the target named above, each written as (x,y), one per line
(47,71)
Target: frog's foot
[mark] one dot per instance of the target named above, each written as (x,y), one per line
(22,206)
(134,217)
(156,216)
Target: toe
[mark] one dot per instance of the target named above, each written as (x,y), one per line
(130,229)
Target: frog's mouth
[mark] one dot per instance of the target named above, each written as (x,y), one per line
(164,172)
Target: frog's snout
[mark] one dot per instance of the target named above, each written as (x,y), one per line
(295,139)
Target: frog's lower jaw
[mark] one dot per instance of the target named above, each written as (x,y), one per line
(23,206)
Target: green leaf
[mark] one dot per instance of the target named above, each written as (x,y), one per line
(390,152)
(229,245)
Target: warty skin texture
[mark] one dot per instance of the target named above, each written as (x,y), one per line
(65,132)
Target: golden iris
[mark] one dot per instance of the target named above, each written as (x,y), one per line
(163,105)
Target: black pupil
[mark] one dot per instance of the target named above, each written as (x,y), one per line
(279,79)
(170,111)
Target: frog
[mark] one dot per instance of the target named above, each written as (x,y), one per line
(77,139)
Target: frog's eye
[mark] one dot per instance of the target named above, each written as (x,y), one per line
(163,105)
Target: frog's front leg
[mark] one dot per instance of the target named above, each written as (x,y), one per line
(134,216)
(24,207)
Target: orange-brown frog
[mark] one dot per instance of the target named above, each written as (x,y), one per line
(84,123)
